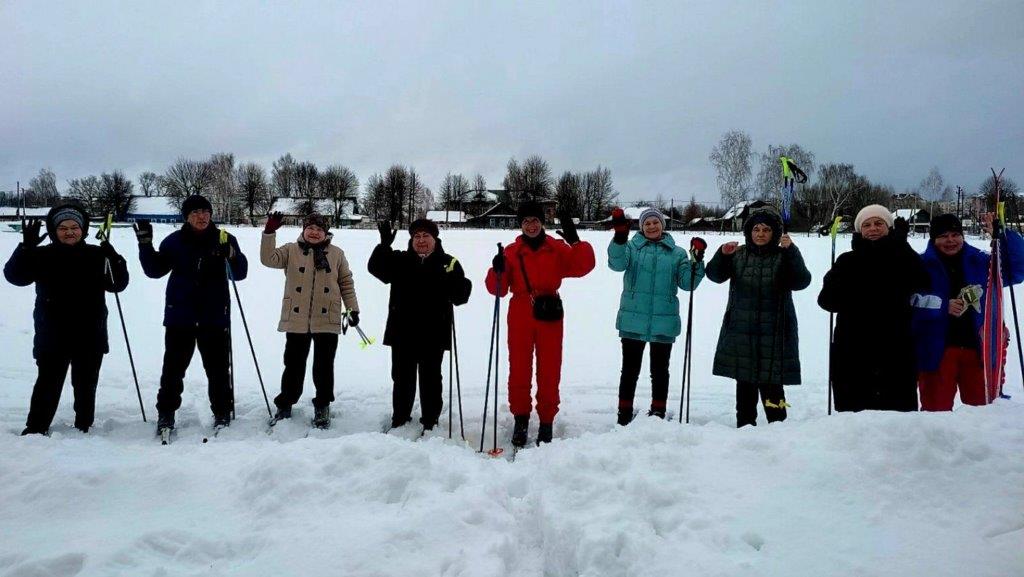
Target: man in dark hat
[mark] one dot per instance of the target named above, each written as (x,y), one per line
(70,313)
(426,283)
(948,319)
(532,268)
(198,305)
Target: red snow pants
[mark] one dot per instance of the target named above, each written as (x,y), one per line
(960,368)
(527,335)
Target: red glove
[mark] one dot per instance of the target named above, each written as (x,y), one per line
(620,225)
(274,222)
(697,248)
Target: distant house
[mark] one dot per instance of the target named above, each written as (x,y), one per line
(448,217)
(903,200)
(16,212)
(918,218)
(500,215)
(155,209)
(481,201)
(738,214)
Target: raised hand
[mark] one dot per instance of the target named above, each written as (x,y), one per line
(144,231)
(730,247)
(30,236)
(697,248)
(274,222)
(387,234)
(568,231)
(620,225)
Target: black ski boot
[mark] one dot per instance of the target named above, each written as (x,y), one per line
(322,417)
(222,420)
(660,413)
(283,413)
(544,433)
(519,431)
(625,416)
(164,420)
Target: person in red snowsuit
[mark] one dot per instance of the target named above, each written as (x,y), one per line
(533,268)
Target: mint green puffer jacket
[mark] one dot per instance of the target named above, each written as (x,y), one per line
(654,272)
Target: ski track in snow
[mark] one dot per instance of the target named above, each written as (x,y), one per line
(866,494)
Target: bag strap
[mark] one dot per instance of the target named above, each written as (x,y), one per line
(526,278)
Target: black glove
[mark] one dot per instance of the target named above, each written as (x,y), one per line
(108,249)
(498,263)
(353,318)
(224,249)
(144,231)
(569,232)
(900,229)
(30,236)
(387,234)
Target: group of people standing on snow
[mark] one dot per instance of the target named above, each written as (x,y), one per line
(907,324)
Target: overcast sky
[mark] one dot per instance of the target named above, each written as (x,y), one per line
(645,89)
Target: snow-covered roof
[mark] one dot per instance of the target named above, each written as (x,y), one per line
(448,216)
(155,205)
(485,196)
(632,213)
(907,213)
(15,211)
(291,205)
(737,209)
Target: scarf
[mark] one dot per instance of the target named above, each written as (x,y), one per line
(319,254)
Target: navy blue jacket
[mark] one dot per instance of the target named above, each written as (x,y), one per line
(71,309)
(931,310)
(197,292)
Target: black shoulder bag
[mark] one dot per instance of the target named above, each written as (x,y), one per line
(545,307)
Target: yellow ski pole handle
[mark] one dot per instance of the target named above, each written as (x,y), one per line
(835,226)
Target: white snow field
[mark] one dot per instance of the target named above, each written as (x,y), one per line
(854,494)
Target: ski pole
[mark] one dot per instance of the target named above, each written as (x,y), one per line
(453,383)
(831,315)
(248,336)
(687,349)
(458,380)
(491,354)
(105,232)
(999,226)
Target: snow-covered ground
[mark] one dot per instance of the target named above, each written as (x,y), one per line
(865,494)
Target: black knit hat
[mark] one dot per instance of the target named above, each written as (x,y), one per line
(426,225)
(195,202)
(67,211)
(944,223)
(316,219)
(529,208)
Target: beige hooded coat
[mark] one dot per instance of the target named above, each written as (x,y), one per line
(312,301)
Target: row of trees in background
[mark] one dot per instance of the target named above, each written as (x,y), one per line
(245,191)
(837,189)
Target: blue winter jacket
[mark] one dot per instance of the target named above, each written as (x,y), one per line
(197,292)
(931,316)
(655,271)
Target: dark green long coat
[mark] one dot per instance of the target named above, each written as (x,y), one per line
(759,341)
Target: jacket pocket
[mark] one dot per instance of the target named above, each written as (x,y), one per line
(335,313)
(286,309)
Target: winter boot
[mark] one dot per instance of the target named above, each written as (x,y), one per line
(657,409)
(625,416)
(164,420)
(222,420)
(544,433)
(399,421)
(283,413)
(322,417)
(519,430)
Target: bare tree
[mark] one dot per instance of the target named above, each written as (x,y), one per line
(479,183)
(532,179)
(150,184)
(931,186)
(375,198)
(115,195)
(254,189)
(839,183)
(284,176)
(86,191)
(569,194)
(769,174)
(598,193)
(396,189)
(44,187)
(223,191)
(340,185)
(187,177)
(307,187)
(453,192)
(731,159)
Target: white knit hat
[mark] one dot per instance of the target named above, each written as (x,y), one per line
(871,211)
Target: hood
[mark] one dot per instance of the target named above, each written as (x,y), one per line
(51,227)
(767,215)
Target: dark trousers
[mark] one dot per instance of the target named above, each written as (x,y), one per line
(746,402)
(296,351)
(85,372)
(179,345)
(406,361)
(632,356)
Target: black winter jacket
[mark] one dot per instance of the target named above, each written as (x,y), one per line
(759,340)
(71,310)
(197,292)
(873,362)
(423,292)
